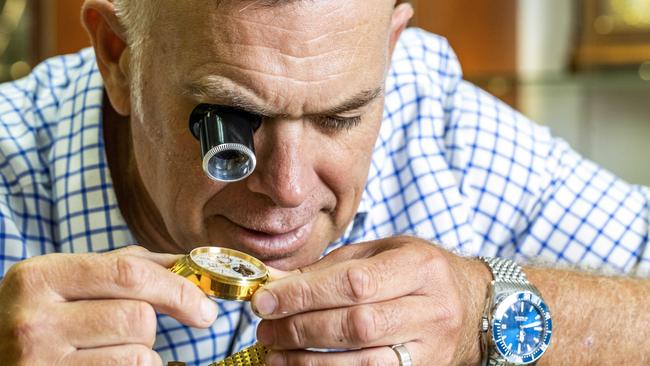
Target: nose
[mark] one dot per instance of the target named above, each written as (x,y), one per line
(284,170)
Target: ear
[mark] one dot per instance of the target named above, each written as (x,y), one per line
(108,38)
(402,14)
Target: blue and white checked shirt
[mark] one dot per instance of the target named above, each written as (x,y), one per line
(452,164)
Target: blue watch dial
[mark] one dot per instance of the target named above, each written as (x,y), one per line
(522,327)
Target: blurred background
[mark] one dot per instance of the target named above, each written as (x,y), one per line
(581,67)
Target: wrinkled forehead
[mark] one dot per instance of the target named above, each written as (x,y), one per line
(305,19)
(279,47)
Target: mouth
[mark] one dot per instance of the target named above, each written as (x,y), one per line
(270,244)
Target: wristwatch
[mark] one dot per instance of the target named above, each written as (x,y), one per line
(516,326)
(231,275)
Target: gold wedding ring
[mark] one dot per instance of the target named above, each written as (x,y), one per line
(226,274)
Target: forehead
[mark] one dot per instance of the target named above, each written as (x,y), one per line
(280,53)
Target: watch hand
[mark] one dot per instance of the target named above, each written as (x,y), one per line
(531,325)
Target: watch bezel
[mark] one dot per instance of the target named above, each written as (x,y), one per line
(497,318)
(233,253)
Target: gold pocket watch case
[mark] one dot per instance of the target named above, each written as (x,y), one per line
(223,273)
(230,275)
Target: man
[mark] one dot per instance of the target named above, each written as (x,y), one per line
(97,155)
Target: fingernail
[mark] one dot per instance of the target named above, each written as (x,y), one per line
(274,359)
(208,310)
(265,334)
(264,303)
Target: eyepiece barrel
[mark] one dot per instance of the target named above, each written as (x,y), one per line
(226,138)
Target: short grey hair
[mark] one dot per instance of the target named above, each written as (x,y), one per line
(135,16)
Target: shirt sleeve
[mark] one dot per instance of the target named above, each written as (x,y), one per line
(535,198)
(25,139)
(12,244)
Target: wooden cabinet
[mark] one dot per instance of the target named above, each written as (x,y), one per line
(70,35)
(58,29)
(483,33)
(484,36)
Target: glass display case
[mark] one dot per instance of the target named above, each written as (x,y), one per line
(33,30)
(614,32)
(16,38)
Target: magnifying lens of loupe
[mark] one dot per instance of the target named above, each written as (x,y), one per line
(226,138)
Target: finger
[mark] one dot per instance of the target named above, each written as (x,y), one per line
(358,326)
(348,252)
(103,323)
(356,251)
(127,355)
(163,259)
(276,274)
(387,275)
(367,356)
(86,277)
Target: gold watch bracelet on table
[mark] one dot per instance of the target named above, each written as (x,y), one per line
(226,274)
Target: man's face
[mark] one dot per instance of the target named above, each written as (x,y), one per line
(315,70)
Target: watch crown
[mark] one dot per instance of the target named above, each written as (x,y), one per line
(485,324)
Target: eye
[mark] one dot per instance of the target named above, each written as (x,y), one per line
(335,123)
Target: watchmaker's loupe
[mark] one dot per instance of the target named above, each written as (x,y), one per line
(226,137)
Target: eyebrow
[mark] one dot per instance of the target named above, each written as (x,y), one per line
(360,100)
(210,88)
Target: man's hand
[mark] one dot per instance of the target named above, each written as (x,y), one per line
(364,298)
(93,309)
